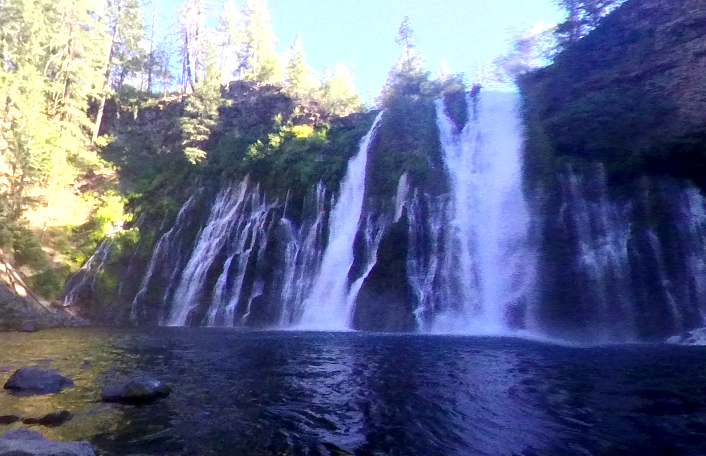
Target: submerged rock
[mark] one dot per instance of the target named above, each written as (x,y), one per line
(23,442)
(138,390)
(52,419)
(28,326)
(694,337)
(34,380)
(9,419)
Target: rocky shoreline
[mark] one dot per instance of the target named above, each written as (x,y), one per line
(18,314)
(39,381)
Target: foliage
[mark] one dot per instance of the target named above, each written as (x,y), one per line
(338,94)
(582,16)
(533,48)
(622,122)
(259,62)
(109,216)
(297,73)
(200,113)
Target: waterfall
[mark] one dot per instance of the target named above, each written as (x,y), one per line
(302,257)
(249,228)
(602,229)
(486,269)
(328,306)
(85,278)
(167,252)
(627,259)
(427,217)
(207,246)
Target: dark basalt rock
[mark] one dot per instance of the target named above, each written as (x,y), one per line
(138,390)
(23,442)
(385,299)
(52,419)
(33,380)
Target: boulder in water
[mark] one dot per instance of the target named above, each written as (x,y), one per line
(31,443)
(137,390)
(33,380)
(694,337)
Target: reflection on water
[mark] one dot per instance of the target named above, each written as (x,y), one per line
(269,393)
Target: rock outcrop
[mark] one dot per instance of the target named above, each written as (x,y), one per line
(631,94)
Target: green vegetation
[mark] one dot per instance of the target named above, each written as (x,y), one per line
(408,139)
(598,103)
(100,126)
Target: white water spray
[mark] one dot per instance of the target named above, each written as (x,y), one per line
(487,268)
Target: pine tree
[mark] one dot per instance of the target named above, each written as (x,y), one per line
(408,76)
(124,18)
(406,39)
(201,110)
(229,40)
(259,61)
(192,29)
(50,67)
(582,16)
(338,93)
(297,72)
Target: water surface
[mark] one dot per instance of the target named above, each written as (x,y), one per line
(283,393)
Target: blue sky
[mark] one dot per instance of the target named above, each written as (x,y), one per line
(361,33)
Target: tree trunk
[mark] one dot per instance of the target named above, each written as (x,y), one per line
(106,79)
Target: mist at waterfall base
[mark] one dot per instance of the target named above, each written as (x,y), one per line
(316,393)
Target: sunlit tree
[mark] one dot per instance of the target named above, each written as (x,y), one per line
(338,94)
(259,61)
(297,73)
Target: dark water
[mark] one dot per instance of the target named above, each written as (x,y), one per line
(268,393)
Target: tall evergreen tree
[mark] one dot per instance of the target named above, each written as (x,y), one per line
(408,76)
(259,61)
(229,40)
(406,39)
(338,93)
(201,110)
(125,28)
(192,29)
(297,72)
(582,16)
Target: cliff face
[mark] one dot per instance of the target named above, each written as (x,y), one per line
(632,94)
(616,128)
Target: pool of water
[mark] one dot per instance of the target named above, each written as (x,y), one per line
(284,393)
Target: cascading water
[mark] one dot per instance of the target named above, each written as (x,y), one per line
(250,236)
(236,222)
(167,252)
(207,246)
(602,229)
(486,267)
(85,278)
(328,306)
(302,255)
